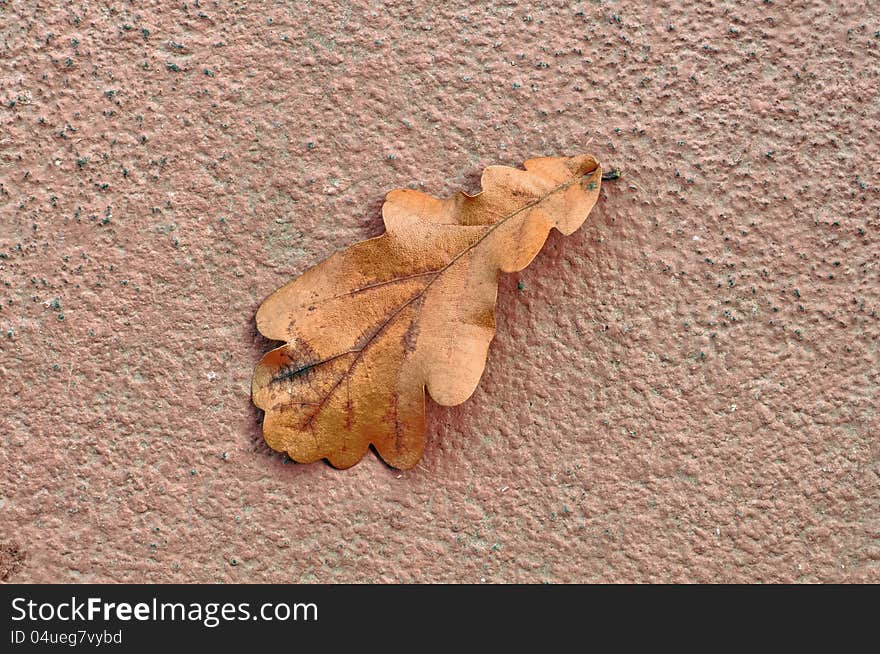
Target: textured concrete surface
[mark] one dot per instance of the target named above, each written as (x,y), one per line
(683,390)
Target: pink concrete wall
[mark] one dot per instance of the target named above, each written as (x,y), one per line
(683,390)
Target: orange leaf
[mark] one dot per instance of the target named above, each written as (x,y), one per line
(370,328)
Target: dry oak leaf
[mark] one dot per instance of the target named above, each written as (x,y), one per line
(370,328)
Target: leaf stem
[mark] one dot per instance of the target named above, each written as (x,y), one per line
(612,174)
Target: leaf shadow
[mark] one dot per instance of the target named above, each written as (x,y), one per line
(374,225)
(445,423)
(260,345)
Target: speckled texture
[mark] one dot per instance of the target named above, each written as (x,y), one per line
(684,390)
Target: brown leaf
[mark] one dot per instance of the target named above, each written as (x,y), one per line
(370,328)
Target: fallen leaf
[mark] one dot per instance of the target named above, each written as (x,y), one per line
(370,328)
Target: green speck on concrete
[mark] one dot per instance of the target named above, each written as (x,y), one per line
(174,68)
(520,286)
(56,303)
